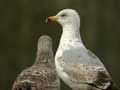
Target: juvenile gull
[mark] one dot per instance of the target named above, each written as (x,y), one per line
(42,74)
(76,65)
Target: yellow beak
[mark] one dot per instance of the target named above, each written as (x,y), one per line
(52,19)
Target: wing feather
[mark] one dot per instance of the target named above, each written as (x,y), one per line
(82,66)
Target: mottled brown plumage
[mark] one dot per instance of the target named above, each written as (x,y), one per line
(42,74)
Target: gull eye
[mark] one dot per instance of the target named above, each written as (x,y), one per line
(63,15)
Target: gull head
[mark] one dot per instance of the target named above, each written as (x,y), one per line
(66,17)
(44,43)
(44,50)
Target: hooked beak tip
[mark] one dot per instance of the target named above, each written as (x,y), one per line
(51,19)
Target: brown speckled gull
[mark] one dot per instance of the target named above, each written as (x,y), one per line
(42,74)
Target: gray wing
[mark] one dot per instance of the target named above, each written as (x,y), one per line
(82,66)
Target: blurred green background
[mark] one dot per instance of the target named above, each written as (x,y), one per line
(23,21)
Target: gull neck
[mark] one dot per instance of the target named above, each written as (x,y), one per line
(70,32)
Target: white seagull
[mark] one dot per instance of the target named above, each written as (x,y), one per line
(75,64)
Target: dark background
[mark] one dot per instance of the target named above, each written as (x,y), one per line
(23,21)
